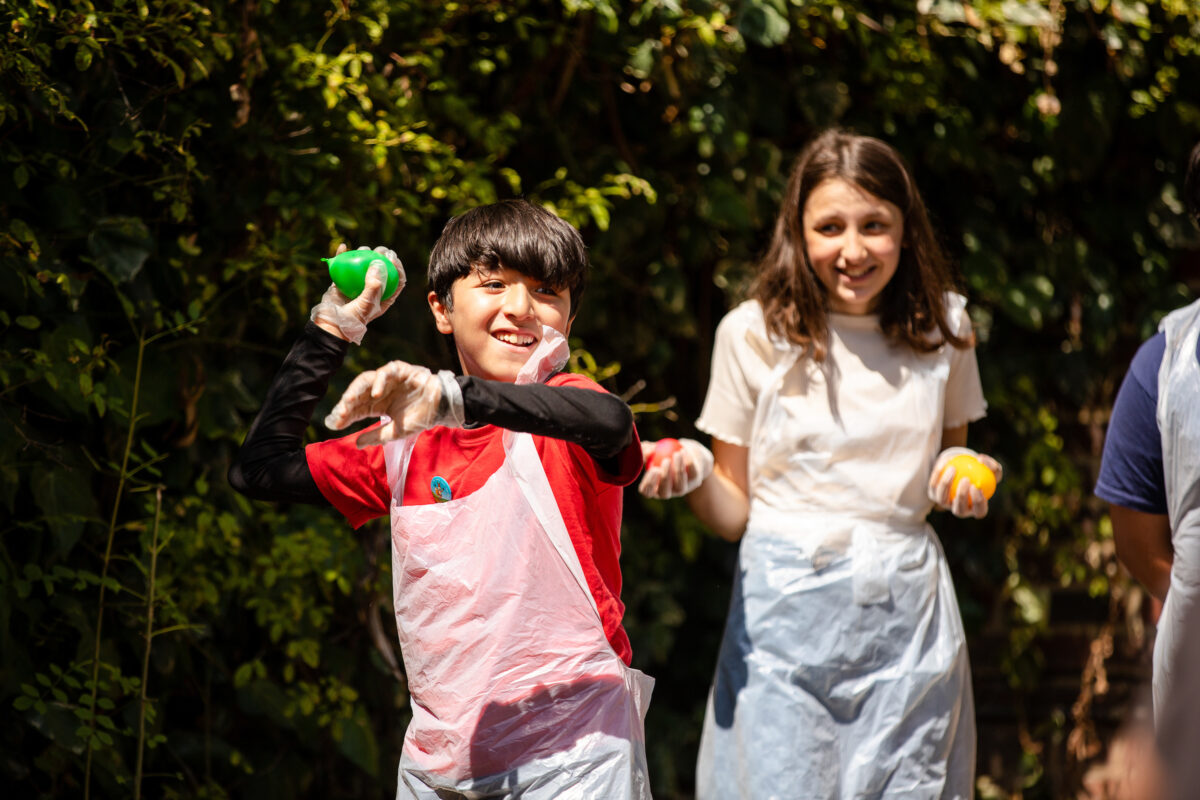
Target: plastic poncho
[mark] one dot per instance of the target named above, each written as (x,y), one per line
(1178,415)
(843,669)
(515,689)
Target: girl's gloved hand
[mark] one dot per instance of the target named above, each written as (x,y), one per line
(348,318)
(411,398)
(969,500)
(678,475)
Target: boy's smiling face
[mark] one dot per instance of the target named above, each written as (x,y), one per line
(496,316)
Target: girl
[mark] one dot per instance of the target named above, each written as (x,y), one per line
(839,391)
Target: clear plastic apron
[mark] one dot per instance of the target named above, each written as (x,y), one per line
(515,688)
(843,670)
(1178,415)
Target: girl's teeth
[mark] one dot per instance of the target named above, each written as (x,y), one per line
(511,338)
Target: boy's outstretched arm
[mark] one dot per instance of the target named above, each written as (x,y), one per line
(272,466)
(599,422)
(416,399)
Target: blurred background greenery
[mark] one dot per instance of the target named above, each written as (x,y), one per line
(174,170)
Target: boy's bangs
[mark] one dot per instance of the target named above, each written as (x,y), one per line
(537,258)
(517,235)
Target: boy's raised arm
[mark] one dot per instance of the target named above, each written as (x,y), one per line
(271,464)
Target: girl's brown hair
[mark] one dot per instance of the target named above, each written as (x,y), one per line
(913,303)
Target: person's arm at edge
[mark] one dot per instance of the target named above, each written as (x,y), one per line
(723,501)
(1131,475)
(1143,544)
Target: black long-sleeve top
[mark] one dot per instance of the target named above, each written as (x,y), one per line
(271,464)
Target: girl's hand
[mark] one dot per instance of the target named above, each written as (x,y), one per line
(412,397)
(968,500)
(347,318)
(680,474)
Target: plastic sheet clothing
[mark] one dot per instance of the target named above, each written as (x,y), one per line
(515,689)
(1178,416)
(843,669)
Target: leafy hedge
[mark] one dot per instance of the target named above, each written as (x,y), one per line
(176,169)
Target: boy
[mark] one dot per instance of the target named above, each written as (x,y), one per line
(504,490)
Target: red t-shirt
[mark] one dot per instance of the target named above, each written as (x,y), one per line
(355,482)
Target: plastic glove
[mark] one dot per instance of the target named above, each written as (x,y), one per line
(681,474)
(411,397)
(352,316)
(968,499)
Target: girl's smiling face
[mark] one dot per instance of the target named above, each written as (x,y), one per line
(496,316)
(854,241)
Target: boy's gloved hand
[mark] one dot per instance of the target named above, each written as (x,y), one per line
(968,499)
(348,318)
(678,475)
(411,397)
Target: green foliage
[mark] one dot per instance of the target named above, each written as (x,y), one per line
(177,169)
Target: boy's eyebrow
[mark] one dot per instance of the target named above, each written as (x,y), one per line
(484,271)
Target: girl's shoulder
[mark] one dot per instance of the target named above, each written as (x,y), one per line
(744,330)
(747,314)
(746,321)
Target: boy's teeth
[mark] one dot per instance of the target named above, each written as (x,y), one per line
(513,338)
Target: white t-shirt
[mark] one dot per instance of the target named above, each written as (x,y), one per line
(857,431)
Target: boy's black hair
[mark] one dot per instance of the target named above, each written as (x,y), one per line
(1191,185)
(513,233)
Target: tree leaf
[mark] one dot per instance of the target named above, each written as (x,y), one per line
(120,246)
(64,496)
(358,744)
(764,22)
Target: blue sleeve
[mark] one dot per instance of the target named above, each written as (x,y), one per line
(1131,469)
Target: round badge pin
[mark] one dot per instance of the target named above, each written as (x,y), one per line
(440,489)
